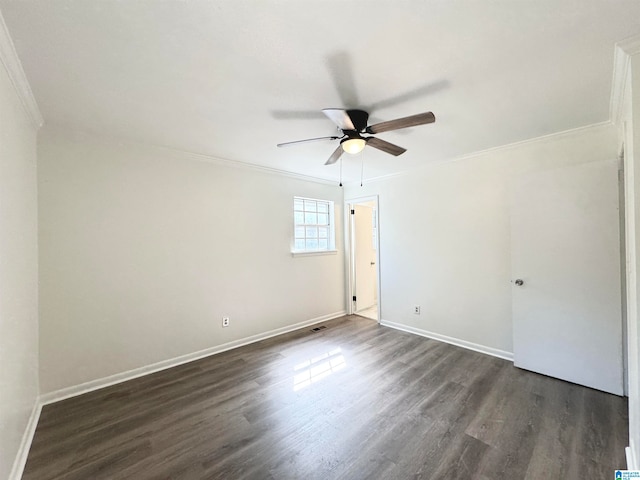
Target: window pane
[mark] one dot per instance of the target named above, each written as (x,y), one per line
(312,225)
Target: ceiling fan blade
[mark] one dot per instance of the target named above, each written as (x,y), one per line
(340,117)
(397,124)
(385,146)
(340,66)
(286,144)
(335,156)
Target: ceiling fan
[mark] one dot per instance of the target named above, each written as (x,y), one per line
(353,124)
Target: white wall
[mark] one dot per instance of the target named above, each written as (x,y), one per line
(143,251)
(18,272)
(633,330)
(630,135)
(444,236)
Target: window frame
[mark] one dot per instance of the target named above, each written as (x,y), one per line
(331,232)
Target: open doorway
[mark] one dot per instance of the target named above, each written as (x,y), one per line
(363,239)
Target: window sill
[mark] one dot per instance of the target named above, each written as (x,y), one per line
(312,254)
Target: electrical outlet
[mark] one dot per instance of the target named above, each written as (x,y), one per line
(225,321)
(416,309)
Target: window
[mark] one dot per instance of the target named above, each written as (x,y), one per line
(313,225)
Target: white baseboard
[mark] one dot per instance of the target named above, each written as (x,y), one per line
(99,383)
(632,461)
(494,352)
(25,444)
(52,397)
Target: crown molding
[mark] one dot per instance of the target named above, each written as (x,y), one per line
(244,165)
(622,54)
(479,153)
(13,66)
(105,139)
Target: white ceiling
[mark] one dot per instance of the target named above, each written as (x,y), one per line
(231,79)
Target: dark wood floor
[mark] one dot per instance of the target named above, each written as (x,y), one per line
(352,401)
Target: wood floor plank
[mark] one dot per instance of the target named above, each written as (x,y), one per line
(352,401)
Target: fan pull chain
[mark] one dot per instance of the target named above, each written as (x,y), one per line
(340,171)
(362,171)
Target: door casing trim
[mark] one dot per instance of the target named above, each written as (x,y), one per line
(349,250)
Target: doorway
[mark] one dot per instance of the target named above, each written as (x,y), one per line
(364,255)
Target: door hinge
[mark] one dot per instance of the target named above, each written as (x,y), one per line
(353,212)
(354,298)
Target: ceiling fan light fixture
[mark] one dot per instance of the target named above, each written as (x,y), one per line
(353,145)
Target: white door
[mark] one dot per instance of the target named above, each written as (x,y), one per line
(565,248)
(365,257)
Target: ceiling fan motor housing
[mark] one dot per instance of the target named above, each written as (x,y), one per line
(359,118)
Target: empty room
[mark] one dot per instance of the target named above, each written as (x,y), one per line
(280,239)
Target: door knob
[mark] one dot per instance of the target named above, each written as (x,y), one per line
(373,263)
(519,282)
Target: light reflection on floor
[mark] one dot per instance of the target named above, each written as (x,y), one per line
(317,368)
